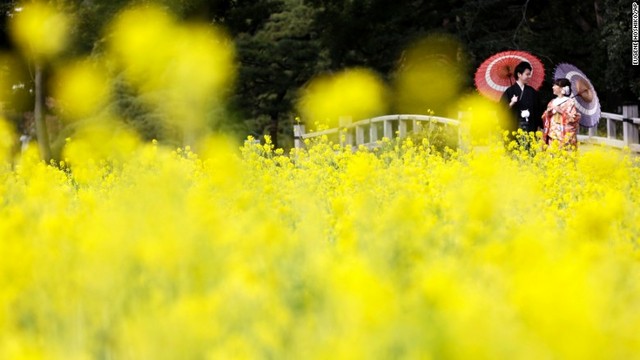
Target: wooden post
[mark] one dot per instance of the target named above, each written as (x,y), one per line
(42,133)
(388,129)
(373,132)
(402,128)
(611,129)
(629,128)
(464,132)
(298,131)
(417,127)
(343,124)
(359,135)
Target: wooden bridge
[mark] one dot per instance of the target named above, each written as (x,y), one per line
(614,130)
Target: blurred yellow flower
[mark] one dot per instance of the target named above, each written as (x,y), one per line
(143,48)
(81,88)
(8,141)
(430,75)
(184,70)
(352,93)
(481,118)
(40,30)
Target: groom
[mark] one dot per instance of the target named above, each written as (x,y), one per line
(522,100)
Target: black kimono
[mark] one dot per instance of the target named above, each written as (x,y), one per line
(527,100)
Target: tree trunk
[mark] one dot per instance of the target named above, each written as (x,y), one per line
(275,120)
(38,113)
(599,20)
(273,129)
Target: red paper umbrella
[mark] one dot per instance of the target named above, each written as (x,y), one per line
(496,73)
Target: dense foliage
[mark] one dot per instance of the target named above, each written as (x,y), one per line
(282,44)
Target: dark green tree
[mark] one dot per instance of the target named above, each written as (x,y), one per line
(281,44)
(619,77)
(276,59)
(593,35)
(374,33)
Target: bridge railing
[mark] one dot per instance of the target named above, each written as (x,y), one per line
(368,131)
(614,130)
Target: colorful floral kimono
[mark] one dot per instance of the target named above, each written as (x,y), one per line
(561,122)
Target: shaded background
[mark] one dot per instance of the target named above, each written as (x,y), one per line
(282,44)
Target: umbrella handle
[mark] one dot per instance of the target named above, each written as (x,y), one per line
(579,94)
(582,92)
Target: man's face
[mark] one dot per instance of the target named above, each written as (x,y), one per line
(525,76)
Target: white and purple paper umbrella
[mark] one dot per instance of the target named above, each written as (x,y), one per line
(582,90)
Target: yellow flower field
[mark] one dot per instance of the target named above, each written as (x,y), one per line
(400,253)
(125,249)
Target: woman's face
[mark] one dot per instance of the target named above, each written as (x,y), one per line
(557,90)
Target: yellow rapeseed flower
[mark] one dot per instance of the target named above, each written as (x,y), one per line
(81,88)
(40,30)
(352,93)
